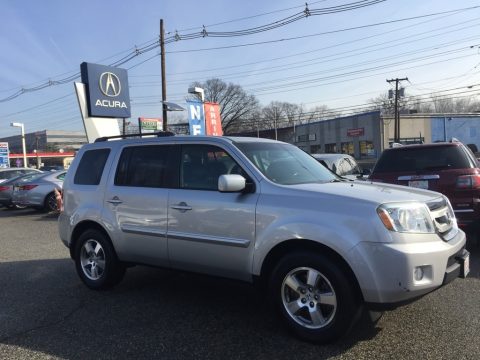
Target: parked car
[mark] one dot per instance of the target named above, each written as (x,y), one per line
(9,173)
(6,189)
(39,192)
(342,164)
(52,168)
(448,167)
(258,210)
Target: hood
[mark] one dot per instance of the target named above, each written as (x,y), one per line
(377,193)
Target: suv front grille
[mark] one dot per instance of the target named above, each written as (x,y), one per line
(443,218)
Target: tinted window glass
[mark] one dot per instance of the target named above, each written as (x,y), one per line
(422,159)
(203,164)
(285,164)
(90,169)
(143,166)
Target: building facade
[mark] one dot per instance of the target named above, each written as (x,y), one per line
(366,135)
(47,141)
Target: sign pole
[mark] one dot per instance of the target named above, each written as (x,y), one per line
(164,82)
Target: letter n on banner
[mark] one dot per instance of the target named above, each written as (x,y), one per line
(213,122)
(196,117)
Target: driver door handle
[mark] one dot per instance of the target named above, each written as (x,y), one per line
(115,200)
(182,207)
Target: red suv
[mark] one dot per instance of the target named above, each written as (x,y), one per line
(449,168)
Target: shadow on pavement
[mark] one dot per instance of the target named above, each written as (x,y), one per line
(153,313)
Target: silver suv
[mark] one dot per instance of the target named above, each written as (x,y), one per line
(258,210)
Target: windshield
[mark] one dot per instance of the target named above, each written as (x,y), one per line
(422,159)
(286,164)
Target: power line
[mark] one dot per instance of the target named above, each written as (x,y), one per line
(443,27)
(276,24)
(251,17)
(322,33)
(154,44)
(326,59)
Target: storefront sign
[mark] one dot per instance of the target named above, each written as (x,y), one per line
(213,121)
(4,163)
(356,132)
(150,124)
(107,90)
(196,117)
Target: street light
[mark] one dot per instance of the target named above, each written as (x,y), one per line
(197,91)
(20,125)
(172,106)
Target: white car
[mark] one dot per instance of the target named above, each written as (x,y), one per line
(258,210)
(342,164)
(10,173)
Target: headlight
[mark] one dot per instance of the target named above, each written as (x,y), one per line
(411,217)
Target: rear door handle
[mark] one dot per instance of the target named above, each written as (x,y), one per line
(115,200)
(182,207)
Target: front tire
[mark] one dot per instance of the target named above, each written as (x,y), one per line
(314,297)
(96,261)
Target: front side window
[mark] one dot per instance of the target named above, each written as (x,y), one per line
(201,166)
(90,169)
(285,164)
(143,166)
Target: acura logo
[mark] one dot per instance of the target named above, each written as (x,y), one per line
(110,84)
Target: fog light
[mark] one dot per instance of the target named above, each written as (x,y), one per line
(418,273)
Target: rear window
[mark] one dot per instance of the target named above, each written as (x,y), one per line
(143,166)
(90,169)
(422,159)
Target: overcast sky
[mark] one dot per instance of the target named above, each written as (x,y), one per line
(339,59)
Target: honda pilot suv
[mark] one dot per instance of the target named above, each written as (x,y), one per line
(449,168)
(258,210)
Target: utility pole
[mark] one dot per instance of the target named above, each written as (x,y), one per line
(164,83)
(396,135)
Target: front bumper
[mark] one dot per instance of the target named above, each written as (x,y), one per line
(392,274)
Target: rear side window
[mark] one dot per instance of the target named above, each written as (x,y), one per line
(423,159)
(143,166)
(90,169)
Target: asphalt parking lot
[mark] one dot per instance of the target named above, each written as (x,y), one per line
(46,313)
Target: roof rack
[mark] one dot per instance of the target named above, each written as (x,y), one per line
(125,136)
(394,145)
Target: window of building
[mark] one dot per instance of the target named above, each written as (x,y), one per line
(314,149)
(331,148)
(347,148)
(366,148)
(91,166)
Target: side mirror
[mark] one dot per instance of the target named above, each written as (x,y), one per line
(231,183)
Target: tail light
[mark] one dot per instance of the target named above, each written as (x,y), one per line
(468,182)
(27,187)
(3,188)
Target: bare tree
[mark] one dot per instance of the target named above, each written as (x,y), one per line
(273,115)
(432,104)
(321,112)
(236,106)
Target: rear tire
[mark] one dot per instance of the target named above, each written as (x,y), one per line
(51,202)
(96,261)
(314,297)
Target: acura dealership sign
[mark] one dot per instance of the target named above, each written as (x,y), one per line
(107,90)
